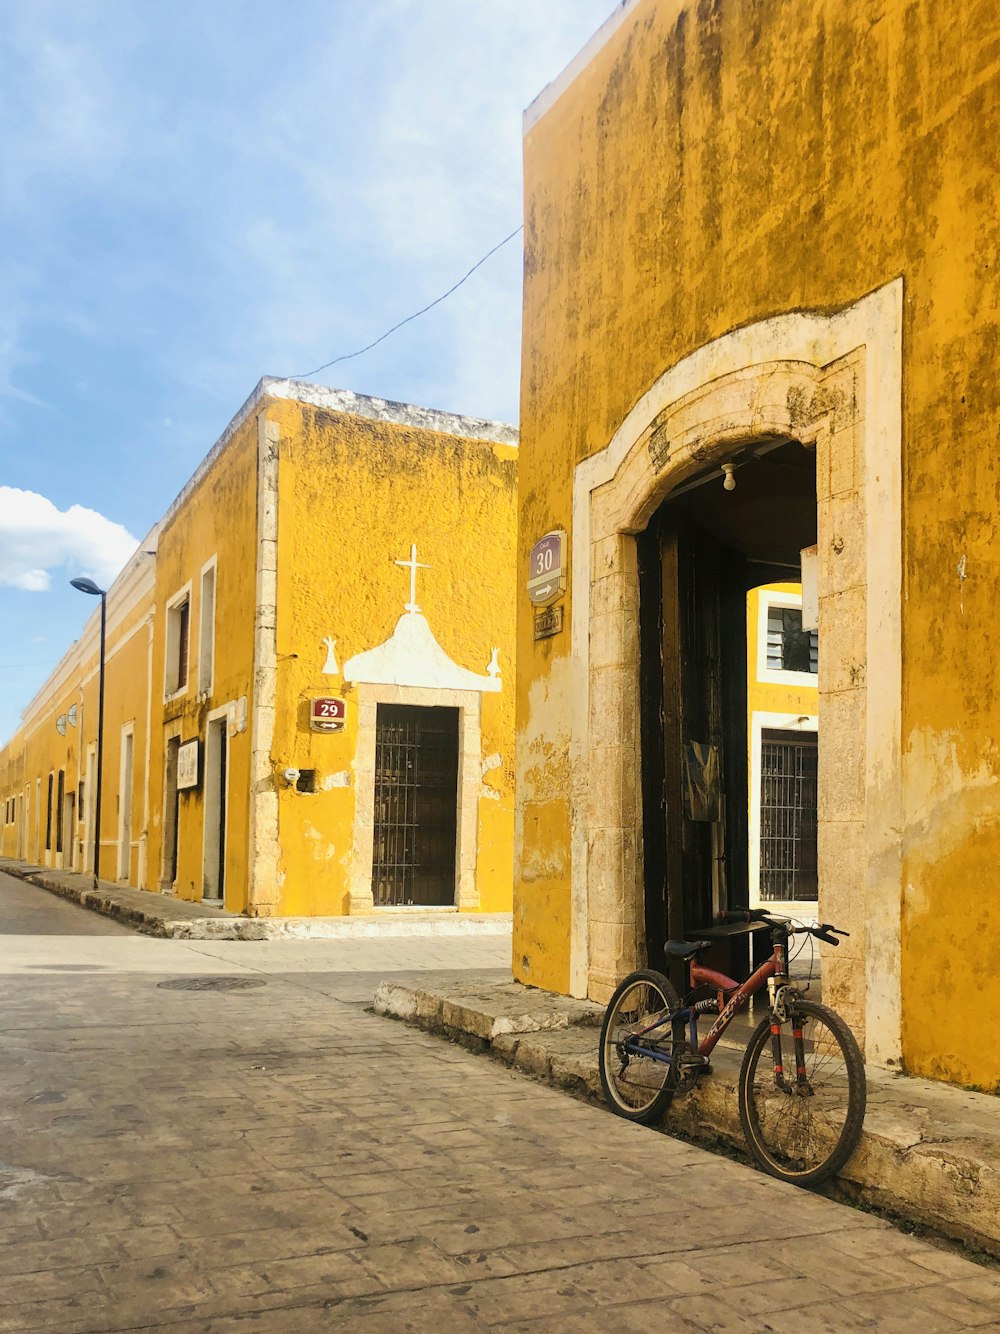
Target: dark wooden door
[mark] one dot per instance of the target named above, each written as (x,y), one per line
(694,728)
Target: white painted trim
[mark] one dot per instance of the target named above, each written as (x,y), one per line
(384,409)
(211,565)
(411,656)
(767,600)
(786,722)
(90,796)
(551,93)
(874,325)
(143,869)
(263,886)
(124,844)
(468,704)
(171,732)
(212,720)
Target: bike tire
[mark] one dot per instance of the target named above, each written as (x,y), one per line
(646,1094)
(803,1138)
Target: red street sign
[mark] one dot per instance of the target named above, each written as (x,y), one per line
(327,715)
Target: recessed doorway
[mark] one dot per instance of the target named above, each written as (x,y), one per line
(416,806)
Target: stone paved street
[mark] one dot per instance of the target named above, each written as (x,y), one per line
(276,1158)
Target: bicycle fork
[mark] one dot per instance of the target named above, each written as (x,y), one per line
(801,1086)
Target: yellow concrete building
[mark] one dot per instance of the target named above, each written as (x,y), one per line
(306,711)
(760,248)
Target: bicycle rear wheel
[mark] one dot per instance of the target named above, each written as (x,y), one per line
(638,1086)
(802,1094)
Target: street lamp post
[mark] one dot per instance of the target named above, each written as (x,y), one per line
(88,586)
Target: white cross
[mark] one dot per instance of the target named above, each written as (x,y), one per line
(413,565)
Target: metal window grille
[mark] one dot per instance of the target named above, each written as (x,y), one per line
(788,767)
(416,805)
(789,647)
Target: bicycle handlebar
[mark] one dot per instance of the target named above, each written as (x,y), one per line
(822,931)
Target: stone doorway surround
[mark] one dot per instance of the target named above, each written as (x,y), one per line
(833,383)
(468,703)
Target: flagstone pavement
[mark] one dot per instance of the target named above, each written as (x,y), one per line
(265,1154)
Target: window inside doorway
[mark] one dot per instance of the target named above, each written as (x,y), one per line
(787,649)
(788,809)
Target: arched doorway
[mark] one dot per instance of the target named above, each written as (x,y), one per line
(830,384)
(712,540)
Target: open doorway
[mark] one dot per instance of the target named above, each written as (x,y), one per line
(216,787)
(704,551)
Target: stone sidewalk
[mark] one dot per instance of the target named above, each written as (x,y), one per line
(181,919)
(929,1153)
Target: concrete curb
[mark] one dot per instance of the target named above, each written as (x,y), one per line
(929,1153)
(174,919)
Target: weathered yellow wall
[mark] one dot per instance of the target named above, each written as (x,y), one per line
(37,748)
(216,515)
(717,164)
(354,493)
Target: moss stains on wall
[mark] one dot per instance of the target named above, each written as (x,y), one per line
(719,163)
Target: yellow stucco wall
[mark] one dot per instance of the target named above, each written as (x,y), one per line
(353,494)
(215,517)
(716,164)
(38,749)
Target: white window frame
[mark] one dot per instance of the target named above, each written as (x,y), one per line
(768,600)
(210,860)
(171,642)
(171,733)
(206,650)
(803,909)
(125,802)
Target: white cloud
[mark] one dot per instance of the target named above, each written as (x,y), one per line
(36,538)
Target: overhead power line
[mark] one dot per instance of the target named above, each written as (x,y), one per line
(304,375)
(11,666)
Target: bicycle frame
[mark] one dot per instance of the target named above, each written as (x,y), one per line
(687,1015)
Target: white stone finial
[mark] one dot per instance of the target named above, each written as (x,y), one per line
(413,565)
(330,668)
(494,664)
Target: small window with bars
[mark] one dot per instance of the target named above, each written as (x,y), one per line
(789,647)
(788,789)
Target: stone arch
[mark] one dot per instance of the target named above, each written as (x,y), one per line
(833,383)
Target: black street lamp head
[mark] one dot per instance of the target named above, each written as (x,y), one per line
(87,586)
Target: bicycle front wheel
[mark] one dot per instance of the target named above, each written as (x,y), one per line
(802,1093)
(636,1084)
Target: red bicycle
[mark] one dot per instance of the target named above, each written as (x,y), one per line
(802,1091)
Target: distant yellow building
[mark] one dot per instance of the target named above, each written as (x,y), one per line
(782,752)
(760,308)
(306,708)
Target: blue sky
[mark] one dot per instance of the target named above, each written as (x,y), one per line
(193,195)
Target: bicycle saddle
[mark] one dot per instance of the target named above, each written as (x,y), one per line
(685,949)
